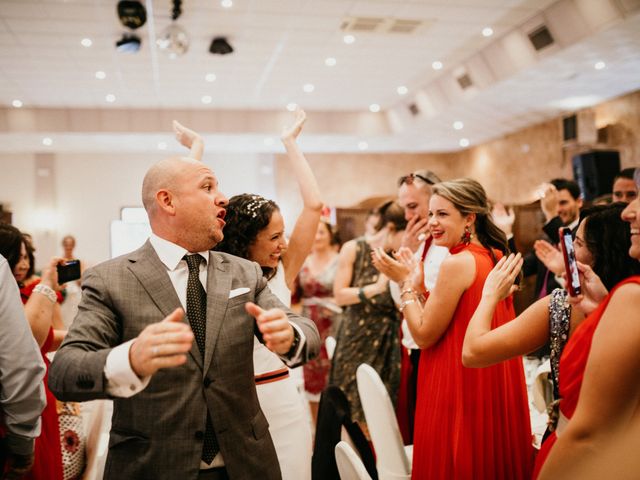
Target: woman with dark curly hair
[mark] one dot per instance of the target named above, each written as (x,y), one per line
(255,230)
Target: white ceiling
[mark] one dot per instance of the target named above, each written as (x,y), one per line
(281,44)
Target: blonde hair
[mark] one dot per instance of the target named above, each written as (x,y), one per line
(468,196)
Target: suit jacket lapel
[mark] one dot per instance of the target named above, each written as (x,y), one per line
(218,287)
(152,275)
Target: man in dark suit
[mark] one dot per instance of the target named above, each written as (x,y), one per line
(182,409)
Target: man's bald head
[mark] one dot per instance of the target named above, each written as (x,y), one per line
(162,176)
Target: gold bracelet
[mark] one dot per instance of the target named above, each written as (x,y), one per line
(404,304)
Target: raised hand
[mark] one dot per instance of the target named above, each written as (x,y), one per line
(416,232)
(50,273)
(550,256)
(276,330)
(499,283)
(592,288)
(161,345)
(185,135)
(291,133)
(549,201)
(503,218)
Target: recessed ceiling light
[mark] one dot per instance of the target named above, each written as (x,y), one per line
(226,3)
(100,75)
(292,106)
(47,141)
(487,31)
(349,39)
(17,103)
(363,145)
(437,65)
(308,87)
(374,107)
(402,90)
(162,145)
(464,142)
(599,65)
(110,98)
(330,61)
(206,99)
(210,77)
(86,42)
(458,125)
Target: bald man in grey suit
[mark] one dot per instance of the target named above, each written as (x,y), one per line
(182,408)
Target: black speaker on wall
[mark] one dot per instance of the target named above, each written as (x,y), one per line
(594,172)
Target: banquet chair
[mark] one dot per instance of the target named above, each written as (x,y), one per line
(393,459)
(350,466)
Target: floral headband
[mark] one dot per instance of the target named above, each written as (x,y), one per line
(253,207)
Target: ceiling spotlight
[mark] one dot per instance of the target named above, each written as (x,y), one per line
(129,43)
(363,145)
(220,46)
(402,90)
(330,61)
(458,125)
(174,41)
(17,103)
(349,39)
(464,142)
(206,99)
(162,145)
(210,77)
(132,14)
(487,31)
(86,42)
(374,108)
(292,106)
(226,3)
(46,141)
(599,65)
(100,75)
(437,65)
(110,98)
(308,87)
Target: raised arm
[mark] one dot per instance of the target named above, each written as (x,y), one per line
(610,392)
(304,231)
(190,139)
(484,346)
(40,308)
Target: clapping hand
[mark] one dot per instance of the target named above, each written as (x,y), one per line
(291,133)
(387,265)
(592,293)
(503,218)
(416,268)
(549,256)
(499,283)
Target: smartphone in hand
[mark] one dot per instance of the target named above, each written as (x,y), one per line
(69,271)
(570,263)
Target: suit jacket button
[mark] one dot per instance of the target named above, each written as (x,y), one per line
(206,382)
(199,435)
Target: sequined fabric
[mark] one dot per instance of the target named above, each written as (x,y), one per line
(559,315)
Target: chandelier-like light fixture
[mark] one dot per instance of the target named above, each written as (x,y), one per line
(174,40)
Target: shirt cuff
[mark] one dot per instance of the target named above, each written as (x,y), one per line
(19,445)
(122,381)
(296,358)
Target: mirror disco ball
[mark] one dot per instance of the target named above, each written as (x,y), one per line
(174,41)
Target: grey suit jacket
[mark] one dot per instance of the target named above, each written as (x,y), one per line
(158,433)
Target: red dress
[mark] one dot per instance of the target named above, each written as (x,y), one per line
(47,463)
(471,423)
(572,364)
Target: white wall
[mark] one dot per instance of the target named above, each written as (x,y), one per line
(90,189)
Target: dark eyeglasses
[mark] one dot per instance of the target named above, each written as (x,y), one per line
(409,179)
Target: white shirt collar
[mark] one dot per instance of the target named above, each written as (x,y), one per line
(574,224)
(169,253)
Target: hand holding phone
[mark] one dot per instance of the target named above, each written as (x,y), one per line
(68,271)
(570,263)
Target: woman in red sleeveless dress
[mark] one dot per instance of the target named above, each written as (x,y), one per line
(599,370)
(470,423)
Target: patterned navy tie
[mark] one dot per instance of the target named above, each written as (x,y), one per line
(197,315)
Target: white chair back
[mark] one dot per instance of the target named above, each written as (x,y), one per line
(330,345)
(350,466)
(392,461)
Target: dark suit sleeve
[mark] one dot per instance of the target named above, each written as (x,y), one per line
(551,229)
(266,299)
(76,373)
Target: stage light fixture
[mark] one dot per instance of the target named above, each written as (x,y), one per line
(220,46)
(129,43)
(132,14)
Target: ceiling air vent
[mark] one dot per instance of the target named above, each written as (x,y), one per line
(362,24)
(381,25)
(413,108)
(541,38)
(404,26)
(464,81)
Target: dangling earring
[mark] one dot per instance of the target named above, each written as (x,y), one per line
(467,235)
